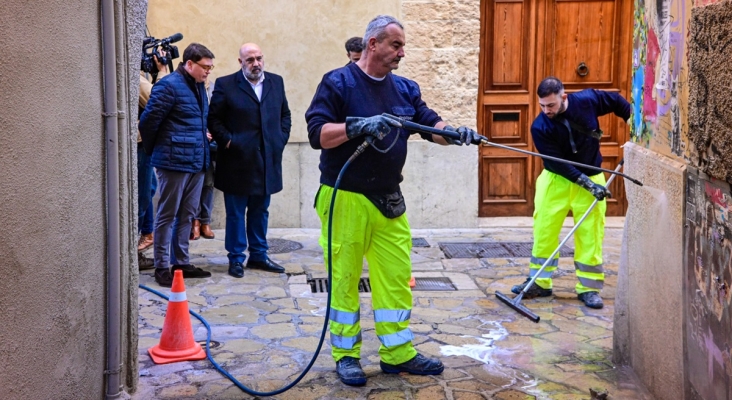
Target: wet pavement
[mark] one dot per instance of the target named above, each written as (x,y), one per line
(266,327)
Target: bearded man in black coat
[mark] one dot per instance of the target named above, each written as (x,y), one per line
(250,120)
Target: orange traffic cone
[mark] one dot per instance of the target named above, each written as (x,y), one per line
(176,341)
(412,282)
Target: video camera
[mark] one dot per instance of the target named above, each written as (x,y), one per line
(152,47)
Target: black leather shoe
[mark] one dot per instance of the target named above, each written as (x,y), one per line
(163,277)
(189,271)
(266,265)
(350,372)
(591,299)
(236,270)
(419,365)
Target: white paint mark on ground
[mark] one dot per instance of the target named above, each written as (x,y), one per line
(484,352)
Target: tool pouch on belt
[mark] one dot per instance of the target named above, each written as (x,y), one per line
(391,205)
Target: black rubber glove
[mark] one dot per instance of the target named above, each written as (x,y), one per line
(467,136)
(600,192)
(377,126)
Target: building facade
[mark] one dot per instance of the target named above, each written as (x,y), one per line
(672,319)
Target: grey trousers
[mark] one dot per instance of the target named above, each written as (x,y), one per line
(180,193)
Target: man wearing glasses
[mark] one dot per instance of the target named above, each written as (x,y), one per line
(250,121)
(173,130)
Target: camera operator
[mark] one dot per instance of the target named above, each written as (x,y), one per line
(158,51)
(145,177)
(173,129)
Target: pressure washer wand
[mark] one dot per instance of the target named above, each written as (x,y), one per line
(454,135)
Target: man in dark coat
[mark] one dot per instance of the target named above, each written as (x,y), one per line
(173,130)
(250,120)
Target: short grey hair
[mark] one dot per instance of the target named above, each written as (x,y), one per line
(377,28)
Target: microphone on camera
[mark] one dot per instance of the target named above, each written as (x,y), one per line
(176,37)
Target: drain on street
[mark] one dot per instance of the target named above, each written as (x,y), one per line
(419,242)
(434,284)
(320,285)
(212,344)
(493,249)
(277,246)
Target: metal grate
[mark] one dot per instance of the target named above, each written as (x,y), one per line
(419,242)
(320,285)
(434,284)
(277,246)
(493,249)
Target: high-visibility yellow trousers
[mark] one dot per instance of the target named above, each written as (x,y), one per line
(359,230)
(555,197)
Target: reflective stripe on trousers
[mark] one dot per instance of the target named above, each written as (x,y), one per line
(359,230)
(395,339)
(345,342)
(345,317)
(555,197)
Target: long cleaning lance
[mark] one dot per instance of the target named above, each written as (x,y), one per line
(412,126)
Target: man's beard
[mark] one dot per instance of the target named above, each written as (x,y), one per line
(254,76)
(562,108)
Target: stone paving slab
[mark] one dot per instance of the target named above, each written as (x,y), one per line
(268,326)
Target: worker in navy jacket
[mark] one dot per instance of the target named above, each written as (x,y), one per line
(250,121)
(369,218)
(568,128)
(173,130)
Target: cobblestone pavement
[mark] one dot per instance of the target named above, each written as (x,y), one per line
(267,326)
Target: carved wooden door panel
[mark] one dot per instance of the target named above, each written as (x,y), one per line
(586,44)
(507,64)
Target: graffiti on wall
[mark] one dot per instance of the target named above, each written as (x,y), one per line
(708,286)
(659,84)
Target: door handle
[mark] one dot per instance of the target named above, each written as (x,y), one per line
(582,69)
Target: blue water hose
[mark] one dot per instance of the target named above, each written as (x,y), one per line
(289,386)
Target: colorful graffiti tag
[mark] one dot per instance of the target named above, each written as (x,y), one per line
(660,92)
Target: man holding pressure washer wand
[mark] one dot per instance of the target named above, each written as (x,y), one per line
(369,215)
(568,128)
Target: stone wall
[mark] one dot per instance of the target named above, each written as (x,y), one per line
(53,243)
(648,324)
(664,328)
(443,45)
(134,27)
(710,120)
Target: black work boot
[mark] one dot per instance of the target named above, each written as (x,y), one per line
(145,262)
(163,277)
(350,372)
(591,299)
(534,290)
(419,365)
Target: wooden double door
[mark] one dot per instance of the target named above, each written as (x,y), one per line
(584,43)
